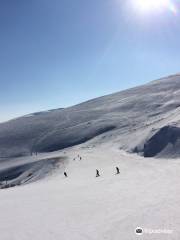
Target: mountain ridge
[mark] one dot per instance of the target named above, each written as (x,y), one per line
(130,117)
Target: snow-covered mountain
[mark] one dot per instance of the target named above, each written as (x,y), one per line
(144,119)
(145,194)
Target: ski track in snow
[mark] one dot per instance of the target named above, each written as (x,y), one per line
(81,207)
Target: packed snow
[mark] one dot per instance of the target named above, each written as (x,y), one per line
(145,194)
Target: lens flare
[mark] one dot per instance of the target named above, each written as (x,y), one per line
(173,8)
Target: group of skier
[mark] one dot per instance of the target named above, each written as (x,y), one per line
(97,172)
(79,157)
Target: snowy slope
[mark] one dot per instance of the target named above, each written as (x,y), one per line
(146,193)
(81,207)
(137,119)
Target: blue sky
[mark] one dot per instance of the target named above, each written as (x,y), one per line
(61,52)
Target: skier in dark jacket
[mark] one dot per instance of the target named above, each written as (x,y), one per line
(117,170)
(97,173)
(65,174)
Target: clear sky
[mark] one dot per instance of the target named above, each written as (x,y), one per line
(56,53)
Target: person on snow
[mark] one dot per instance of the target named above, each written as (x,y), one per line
(65,174)
(117,170)
(97,173)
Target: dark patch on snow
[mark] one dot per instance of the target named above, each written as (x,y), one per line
(158,142)
(70,137)
(26,173)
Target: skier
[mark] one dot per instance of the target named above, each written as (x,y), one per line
(65,174)
(117,170)
(97,173)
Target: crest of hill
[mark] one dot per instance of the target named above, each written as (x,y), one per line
(133,119)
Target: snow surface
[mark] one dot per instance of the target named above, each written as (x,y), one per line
(44,205)
(81,207)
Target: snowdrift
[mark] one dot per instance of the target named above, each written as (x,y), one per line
(165,142)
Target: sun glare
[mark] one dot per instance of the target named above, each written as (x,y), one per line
(147,5)
(154,5)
